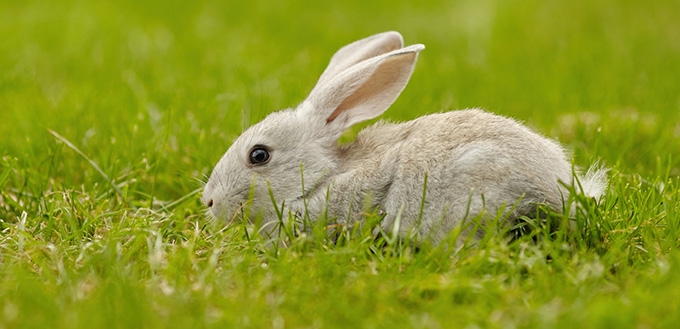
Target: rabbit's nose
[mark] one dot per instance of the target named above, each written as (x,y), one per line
(209,203)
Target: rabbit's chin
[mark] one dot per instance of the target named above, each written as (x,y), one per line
(239,211)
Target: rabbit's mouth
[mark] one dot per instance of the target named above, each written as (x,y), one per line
(226,207)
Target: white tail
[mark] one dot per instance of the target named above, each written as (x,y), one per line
(594,182)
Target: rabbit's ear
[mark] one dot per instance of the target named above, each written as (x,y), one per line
(362,91)
(360,50)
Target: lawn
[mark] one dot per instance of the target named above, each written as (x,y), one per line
(112,113)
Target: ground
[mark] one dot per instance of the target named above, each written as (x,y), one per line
(113,112)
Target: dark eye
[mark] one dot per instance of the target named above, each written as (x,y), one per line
(259,155)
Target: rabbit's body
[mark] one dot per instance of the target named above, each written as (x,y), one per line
(475,162)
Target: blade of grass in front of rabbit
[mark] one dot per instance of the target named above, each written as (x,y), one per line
(281,225)
(494,229)
(305,219)
(279,213)
(422,205)
(335,234)
(469,238)
(422,201)
(396,227)
(500,222)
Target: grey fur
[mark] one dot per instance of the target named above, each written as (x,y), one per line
(476,162)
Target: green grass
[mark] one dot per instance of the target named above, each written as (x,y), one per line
(154,92)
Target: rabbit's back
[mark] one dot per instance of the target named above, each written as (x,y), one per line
(474,161)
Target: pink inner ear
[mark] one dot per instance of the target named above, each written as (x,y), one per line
(378,92)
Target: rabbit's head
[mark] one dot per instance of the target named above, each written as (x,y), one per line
(362,80)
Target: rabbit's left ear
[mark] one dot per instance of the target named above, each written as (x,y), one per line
(363,91)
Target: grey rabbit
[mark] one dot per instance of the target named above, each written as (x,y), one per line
(476,162)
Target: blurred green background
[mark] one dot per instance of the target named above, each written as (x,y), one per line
(170,84)
(154,92)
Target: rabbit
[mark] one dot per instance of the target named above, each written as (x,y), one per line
(475,162)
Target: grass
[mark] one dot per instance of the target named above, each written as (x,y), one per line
(113,111)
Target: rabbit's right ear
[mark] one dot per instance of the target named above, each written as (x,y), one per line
(360,92)
(360,50)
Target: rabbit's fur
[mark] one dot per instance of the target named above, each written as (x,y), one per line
(476,162)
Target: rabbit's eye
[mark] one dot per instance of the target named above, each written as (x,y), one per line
(259,155)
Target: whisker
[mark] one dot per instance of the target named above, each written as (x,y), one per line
(237,213)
